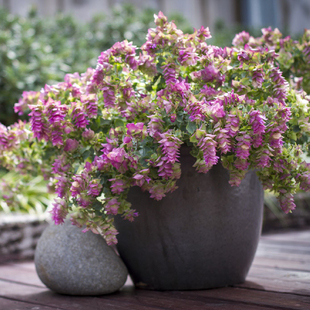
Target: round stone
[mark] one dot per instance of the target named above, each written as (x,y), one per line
(69,261)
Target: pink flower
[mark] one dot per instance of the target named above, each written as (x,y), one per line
(112,206)
(287,202)
(257,120)
(59,212)
(208,146)
(157,191)
(130,215)
(241,39)
(243,145)
(71,145)
(94,188)
(118,185)
(155,126)
(78,116)
(134,129)
(88,134)
(142,177)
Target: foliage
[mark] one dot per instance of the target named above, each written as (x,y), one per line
(123,123)
(293,56)
(24,195)
(25,192)
(36,51)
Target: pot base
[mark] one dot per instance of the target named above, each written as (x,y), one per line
(203,235)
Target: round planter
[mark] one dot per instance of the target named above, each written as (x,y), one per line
(203,235)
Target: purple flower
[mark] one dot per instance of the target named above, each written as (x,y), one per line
(147,64)
(281,86)
(112,206)
(130,215)
(209,92)
(170,146)
(197,110)
(88,134)
(141,177)
(78,116)
(232,125)
(170,73)
(208,147)
(241,164)
(108,95)
(56,136)
(134,129)
(203,34)
(187,56)
(223,140)
(241,39)
(209,74)
(94,188)
(118,185)
(38,124)
(215,109)
(117,158)
(7,138)
(28,98)
(263,159)
(157,191)
(155,126)
(257,120)
(236,176)
(257,140)
(71,145)
(257,78)
(62,186)
(61,165)
(90,105)
(59,212)
(243,145)
(56,112)
(287,202)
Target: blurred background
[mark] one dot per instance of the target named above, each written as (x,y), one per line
(291,15)
(42,40)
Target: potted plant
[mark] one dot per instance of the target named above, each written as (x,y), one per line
(180,113)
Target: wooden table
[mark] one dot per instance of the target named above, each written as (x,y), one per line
(278,279)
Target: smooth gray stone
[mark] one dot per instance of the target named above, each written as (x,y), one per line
(71,262)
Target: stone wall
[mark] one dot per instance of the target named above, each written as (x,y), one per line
(19,236)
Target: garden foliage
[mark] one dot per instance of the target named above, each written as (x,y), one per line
(122,124)
(36,51)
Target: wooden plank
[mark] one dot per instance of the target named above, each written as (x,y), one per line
(8,304)
(259,298)
(284,256)
(42,297)
(274,286)
(279,263)
(302,277)
(193,300)
(284,248)
(297,242)
(16,273)
(289,236)
(128,298)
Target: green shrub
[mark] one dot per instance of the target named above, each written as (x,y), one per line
(36,51)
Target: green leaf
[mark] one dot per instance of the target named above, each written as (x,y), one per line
(118,123)
(191,127)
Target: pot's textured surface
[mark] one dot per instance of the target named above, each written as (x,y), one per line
(202,235)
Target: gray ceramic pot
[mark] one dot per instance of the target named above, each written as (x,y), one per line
(203,235)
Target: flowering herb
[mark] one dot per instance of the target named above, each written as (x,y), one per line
(123,123)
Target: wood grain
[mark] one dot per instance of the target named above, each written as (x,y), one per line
(278,279)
